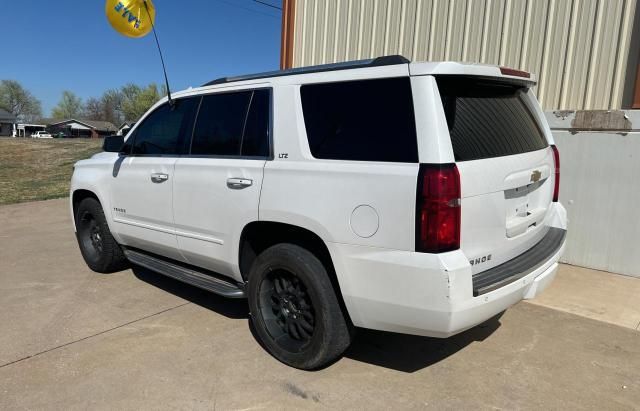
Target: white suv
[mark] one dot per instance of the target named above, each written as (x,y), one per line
(418,198)
(41,134)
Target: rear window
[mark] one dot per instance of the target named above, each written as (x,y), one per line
(488,119)
(370,120)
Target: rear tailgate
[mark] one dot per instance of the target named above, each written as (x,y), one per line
(505,163)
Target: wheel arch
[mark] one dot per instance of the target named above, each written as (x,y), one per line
(257,236)
(79,194)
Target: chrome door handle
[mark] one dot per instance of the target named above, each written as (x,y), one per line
(159,177)
(238,183)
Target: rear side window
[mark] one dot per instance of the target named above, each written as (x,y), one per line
(369,120)
(233,124)
(166,129)
(255,141)
(488,119)
(220,121)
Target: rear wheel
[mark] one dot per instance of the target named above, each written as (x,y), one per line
(294,309)
(99,249)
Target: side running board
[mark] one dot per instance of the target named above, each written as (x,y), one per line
(186,275)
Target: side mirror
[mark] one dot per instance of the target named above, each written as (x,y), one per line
(113,144)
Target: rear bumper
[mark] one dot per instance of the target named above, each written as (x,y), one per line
(430,294)
(521,266)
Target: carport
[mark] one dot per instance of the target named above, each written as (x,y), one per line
(25,130)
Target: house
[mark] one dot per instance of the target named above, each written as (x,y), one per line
(125,127)
(80,128)
(7,120)
(584,54)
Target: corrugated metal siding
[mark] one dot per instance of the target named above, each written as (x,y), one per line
(600,196)
(578,49)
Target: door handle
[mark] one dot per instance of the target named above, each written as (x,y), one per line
(159,177)
(238,183)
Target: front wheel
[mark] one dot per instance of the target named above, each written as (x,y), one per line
(99,249)
(294,309)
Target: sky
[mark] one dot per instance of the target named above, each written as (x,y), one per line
(52,46)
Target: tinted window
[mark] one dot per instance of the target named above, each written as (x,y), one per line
(220,122)
(368,120)
(488,119)
(255,141)
(166,129)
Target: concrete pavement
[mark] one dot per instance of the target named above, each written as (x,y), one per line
(595,294)
(74,339)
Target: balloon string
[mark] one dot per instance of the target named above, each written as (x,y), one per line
(164,70)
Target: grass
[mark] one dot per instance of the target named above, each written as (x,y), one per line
(32,169)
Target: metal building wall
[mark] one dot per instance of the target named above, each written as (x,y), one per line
(578,49)
(599,188)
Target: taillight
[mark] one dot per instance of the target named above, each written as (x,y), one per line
(556,161)
(438,208)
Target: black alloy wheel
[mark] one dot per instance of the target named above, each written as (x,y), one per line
(99,249)
(90,234)
(287,310)
(295,310)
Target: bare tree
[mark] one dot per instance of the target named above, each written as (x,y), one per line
(111,102)
(105,108)
(93,109)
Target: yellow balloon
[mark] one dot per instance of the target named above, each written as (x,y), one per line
(130,17)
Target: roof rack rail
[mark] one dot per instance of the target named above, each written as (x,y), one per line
(375,62)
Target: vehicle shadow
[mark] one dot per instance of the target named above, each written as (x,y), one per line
(229,307)
(410,353)
(400,352)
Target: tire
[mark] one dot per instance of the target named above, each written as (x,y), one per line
(294,309)
(99,249)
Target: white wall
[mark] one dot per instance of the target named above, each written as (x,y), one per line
(600,187)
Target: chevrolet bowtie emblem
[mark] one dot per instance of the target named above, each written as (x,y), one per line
(535,176)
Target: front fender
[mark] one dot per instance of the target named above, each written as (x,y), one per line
(94,175)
